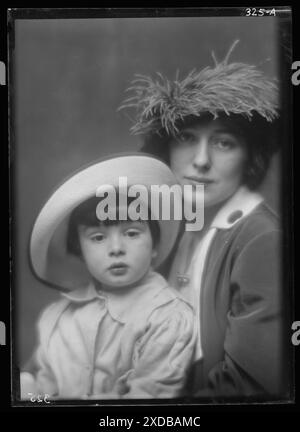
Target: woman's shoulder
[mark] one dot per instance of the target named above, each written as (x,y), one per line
(253,233)
(265,215)
(262,221)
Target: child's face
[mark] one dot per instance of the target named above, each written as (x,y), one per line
(117,255)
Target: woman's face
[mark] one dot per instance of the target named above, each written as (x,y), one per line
(209,154)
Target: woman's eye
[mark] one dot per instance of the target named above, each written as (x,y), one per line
(185,136)
(132,233)
(223,144)
(97,238)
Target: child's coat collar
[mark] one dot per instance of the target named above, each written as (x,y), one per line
(123,307)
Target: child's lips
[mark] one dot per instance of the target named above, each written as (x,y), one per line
(118,268)
(117,265)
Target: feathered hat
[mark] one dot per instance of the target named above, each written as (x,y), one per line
(227,88)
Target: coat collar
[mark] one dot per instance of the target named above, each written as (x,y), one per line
(237,207)
(123,305)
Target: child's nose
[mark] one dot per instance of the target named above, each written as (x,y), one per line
(116,246)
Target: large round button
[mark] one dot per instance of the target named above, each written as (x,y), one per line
(234,216)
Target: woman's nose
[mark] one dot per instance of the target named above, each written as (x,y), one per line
(201,159)
(116,245)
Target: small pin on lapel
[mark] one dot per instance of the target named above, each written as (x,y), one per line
(183,280)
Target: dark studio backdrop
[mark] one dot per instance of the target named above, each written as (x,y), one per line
(69,78)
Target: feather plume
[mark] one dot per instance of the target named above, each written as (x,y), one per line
(233,88)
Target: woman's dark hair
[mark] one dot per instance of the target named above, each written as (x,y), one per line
(85,214)
(260,136)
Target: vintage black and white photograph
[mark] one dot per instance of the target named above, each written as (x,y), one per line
(151,164)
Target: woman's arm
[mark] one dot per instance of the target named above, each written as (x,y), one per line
(253,347)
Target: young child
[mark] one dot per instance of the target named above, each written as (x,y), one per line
(118,331)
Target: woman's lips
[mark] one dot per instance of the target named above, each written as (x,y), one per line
(198,180)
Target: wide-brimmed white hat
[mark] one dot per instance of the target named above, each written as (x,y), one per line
(50,260)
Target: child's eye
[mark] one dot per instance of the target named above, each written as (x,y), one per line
(132,233)
(97,238)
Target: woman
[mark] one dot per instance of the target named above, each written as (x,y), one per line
(216,127)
